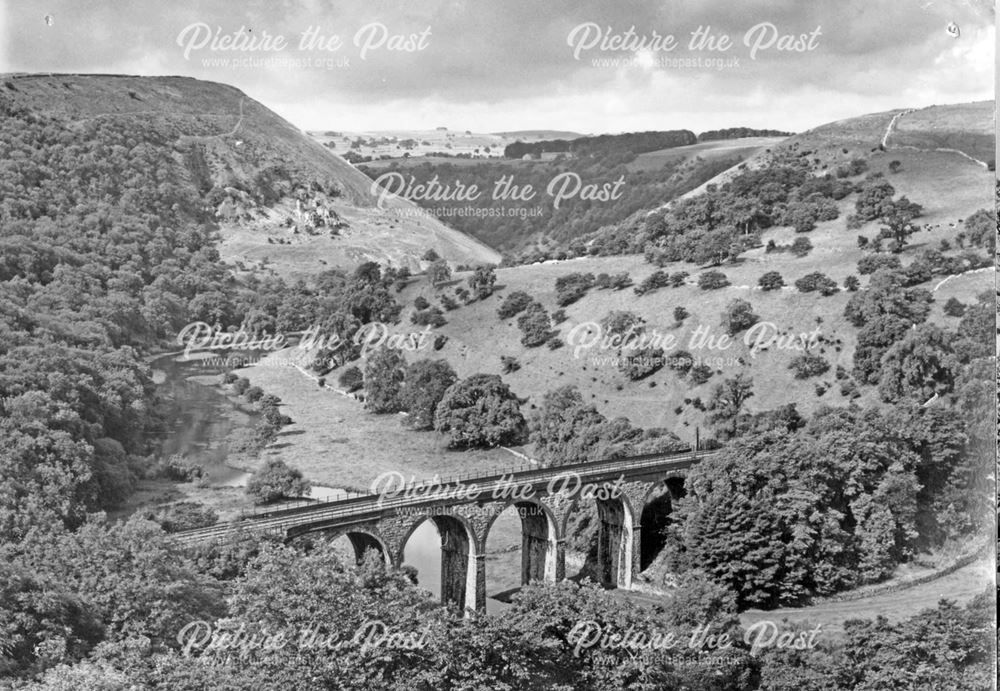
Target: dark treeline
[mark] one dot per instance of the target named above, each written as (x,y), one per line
(739,132)
(604,144)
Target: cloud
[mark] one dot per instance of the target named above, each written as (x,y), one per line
(503,65)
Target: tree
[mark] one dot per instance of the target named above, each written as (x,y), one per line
(727,400)
(572,287)
(515,302)
(430,255)
(919,366)
(712,280)
(482,280)
(680,314)
(817,282)
(851,283)
(954,307)
(424,384)
(808,365)
(480,410)
(739,315)
(801,246)
(276,480)
(897,218)
(895,166)
(351,379)
(439,272)
(771,280)
(535,325)
(641,363)
(383,379)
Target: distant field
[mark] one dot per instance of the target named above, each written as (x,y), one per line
(969,128)
(716,149)
(477,144)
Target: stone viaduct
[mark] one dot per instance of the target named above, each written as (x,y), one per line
(463,511)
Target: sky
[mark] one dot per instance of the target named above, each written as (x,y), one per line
(589,66)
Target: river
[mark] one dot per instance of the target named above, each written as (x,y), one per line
(201,417)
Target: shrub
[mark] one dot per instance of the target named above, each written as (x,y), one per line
(432,316)
(572,287)
(514,303)
(852,283)
(554,343)
(509,364)
(420,302)
(772,280)
(229,377)
(712,280)
(680,314)
(870,263)
(430,256)
(535,325)
(700,374)
(241,385)
(801,247)
(641,363)
(449,303)
(276,480)
(254,394)
(739,315)
(655,281)
(351,379)
(816,282)
(184,515)
(680,361)
(808,365)
(678,279)
(559,316)
(954,307)
(439,341)
(383,379)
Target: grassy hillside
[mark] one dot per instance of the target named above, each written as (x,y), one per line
(253,168)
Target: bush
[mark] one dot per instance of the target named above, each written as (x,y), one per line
(229,377)
(954,307)
(572,287)
(432,316)
(817,282)
(712,280)
(808,365)
(680,314)
(254,394)
(276,480)
(641,363)
(554,343)
(535,325)
(351,379)
(655,281)
(384,373)
(852,283)
(449,303)
(514,303)
(680,361)
(772,280)
(870,263)
(420,302)
(509,364)
(184,515)
(700,374)
(739,315)
(439,341)
(678,279)
(801,247)
(241,385)
(559,316)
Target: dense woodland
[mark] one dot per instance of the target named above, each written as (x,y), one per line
(108,251)
(534,229)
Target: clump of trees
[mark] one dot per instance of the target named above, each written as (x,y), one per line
(513,304)
(276,480)
(480,410)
